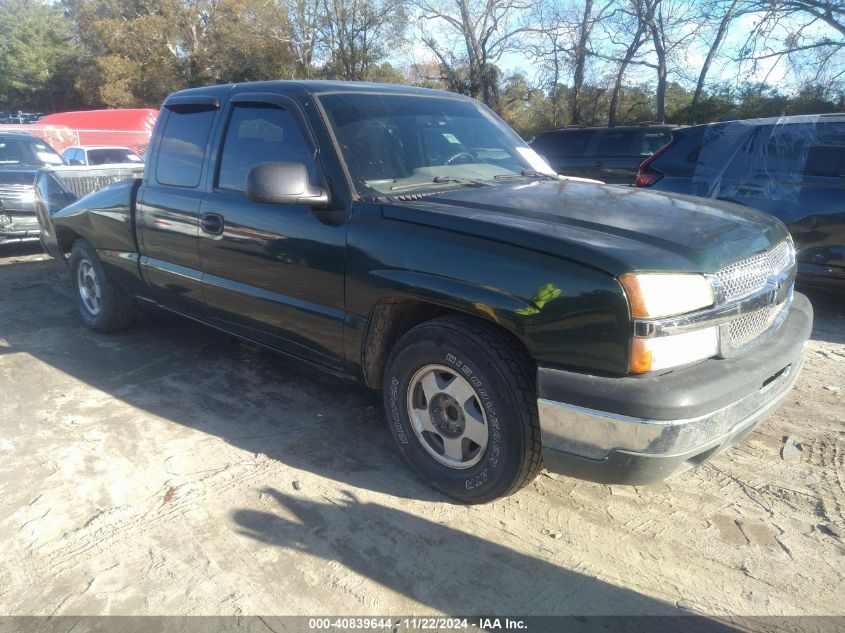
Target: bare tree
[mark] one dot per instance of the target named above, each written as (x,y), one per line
(359,33)
(635,44)
(582,50)
(671,25)
(485,29)
(808,34)
(303,34)
(544,47)
(561,35)
(727,11)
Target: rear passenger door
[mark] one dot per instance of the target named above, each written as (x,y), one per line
(617,156)
(271,272)
(168,204)
(567,151)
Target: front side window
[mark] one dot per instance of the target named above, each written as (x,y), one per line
(392,143)
(259,133)
(182,149)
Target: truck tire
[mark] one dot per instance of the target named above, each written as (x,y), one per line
(461,404)
(103,306)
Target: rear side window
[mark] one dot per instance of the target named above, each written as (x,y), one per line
(617,143)
(183,142)
(653,141)
(681,159)
(825,161)
(563,143)
(259,133)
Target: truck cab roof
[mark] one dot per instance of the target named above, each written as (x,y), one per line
(304,87)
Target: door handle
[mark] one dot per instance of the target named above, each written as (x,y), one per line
(212,223)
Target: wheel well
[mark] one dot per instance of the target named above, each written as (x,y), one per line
(66,239)
(389,320)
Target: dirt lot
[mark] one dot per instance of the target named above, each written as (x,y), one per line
(171,469)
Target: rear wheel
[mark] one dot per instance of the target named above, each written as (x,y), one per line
(460,401)
(103,306)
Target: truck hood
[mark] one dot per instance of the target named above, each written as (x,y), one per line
(612,228)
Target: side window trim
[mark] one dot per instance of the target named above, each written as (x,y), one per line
(220,128)
(184,106)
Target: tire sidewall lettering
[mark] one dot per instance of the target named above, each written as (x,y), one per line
(395,415)
(491,459)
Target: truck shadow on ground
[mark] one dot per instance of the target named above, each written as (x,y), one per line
(829,309)
(16,249)
(444,568)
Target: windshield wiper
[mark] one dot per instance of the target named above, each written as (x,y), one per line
(525,173)
(440,180)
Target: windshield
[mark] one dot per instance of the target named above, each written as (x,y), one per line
(392,143)
(107,155)
(28,152)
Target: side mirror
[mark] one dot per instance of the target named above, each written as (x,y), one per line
(284,183)
(75,162)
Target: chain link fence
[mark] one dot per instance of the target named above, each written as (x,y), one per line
(60,137)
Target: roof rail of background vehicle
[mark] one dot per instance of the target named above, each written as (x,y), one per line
(792,118)
(580,126)
(303,87)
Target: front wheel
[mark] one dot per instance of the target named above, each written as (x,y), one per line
(103,306)
(460,400)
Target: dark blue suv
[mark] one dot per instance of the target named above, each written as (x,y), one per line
(792,167)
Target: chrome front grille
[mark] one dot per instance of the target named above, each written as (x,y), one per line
(746,276)
(746,328)
(17,197)
(82,184)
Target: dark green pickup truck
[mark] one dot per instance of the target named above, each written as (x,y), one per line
(409,239)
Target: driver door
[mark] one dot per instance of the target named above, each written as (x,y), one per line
(273,273)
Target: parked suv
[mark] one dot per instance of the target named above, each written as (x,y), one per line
(21,156)
(791,167)
(609,154)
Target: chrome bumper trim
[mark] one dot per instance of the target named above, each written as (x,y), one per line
(594,434)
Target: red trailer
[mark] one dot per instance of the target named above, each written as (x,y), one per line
(113,128)
(121,127)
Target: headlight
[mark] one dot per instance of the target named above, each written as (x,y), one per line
(660,295)
(655,295)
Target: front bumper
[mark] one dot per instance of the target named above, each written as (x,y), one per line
(643,429)
(18,224)
(18,235)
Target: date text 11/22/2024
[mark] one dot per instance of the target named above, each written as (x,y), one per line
(417,624)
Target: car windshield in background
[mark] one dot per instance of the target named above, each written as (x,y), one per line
(109,155)
(396,143)
(27,152)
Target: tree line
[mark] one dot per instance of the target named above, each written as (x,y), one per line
(591,62)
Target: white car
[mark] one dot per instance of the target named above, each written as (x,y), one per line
(100,155)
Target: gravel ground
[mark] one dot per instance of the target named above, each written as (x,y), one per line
(173,470)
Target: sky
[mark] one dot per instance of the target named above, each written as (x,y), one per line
(774,71)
